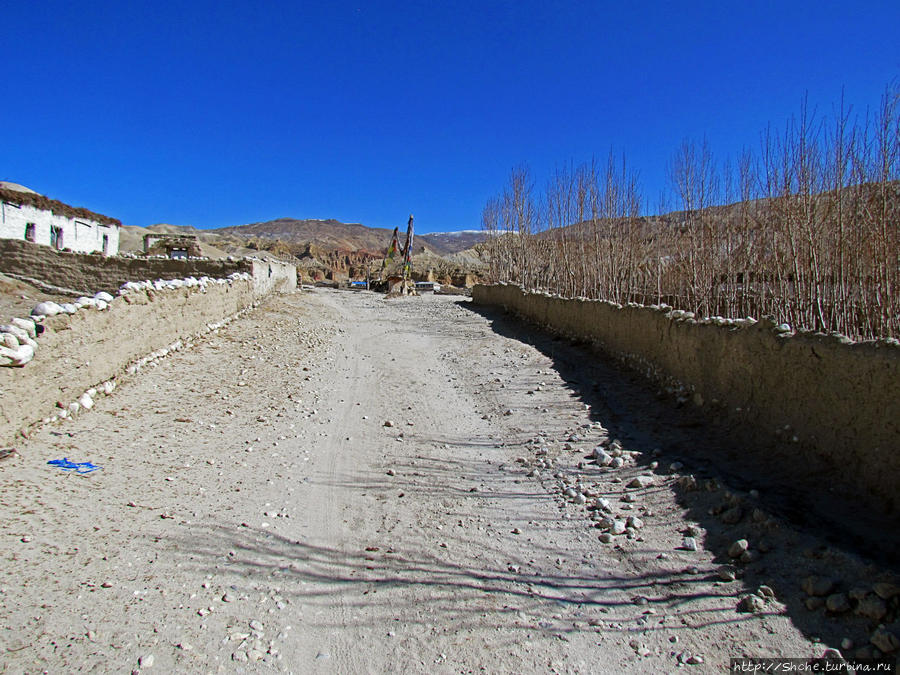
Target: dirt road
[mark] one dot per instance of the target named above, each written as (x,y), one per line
(341,483)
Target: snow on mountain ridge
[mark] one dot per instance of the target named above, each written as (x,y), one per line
(456,233)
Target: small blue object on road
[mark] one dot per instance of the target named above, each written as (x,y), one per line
(78,467)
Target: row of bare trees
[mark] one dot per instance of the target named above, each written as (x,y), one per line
(806,229)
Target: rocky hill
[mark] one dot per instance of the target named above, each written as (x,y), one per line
(333,234)
(325,248)
(326,234)
(449,243)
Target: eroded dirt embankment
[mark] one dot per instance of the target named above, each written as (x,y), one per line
(339,483)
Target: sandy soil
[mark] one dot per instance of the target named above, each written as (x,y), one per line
(254,512)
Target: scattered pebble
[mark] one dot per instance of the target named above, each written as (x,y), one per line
(872,607)
(765,592)
(885,590)
(602,457)
(689,544)
(732,516)
(837,603)
(886,640)
(727,573)
(738,548)
(814,603)
(817,586)
(751,604)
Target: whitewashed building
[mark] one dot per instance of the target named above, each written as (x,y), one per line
(29,216)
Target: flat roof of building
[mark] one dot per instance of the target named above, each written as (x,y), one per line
(13,193)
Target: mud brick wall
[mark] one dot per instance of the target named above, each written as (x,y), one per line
(81,350)
(272,276)
(840,399)
(88,273)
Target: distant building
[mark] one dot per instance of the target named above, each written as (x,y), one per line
(172,245)
(25,214)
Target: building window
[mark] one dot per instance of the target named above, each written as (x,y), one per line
(56,237)
(29,232)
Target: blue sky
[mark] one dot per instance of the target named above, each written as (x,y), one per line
(218,113)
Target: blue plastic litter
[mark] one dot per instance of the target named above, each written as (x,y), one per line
(78,467)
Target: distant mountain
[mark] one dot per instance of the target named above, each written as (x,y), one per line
(329,246)
(333,234)
(448,243)
(326,234)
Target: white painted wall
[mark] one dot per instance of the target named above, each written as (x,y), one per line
(78,234)
(271,275)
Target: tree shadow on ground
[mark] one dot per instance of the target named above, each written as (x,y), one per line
(463,591)
(828,532)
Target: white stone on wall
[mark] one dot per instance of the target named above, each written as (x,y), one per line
(20,332)
(17,357)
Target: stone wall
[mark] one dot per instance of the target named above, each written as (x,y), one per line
(840,399)
(83,349)
(79,351)
(88,274)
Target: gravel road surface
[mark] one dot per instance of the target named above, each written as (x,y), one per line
(340,483)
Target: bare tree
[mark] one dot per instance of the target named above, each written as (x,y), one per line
(805,231)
